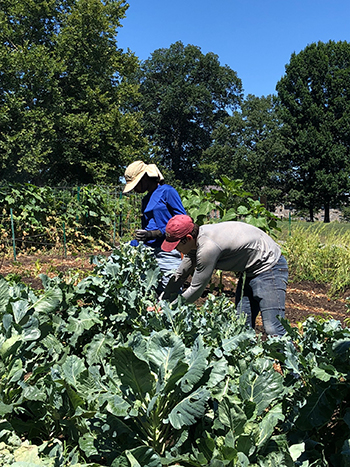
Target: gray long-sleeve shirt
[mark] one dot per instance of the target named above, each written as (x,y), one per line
(228,246)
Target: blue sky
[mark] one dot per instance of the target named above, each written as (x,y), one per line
(253,37)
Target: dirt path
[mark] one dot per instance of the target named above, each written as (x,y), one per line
(304,299)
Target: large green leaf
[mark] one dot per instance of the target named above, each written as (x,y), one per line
(52,344)
(165,349)
(19,309)
(232,415)
(176,374)
(218,372)
(89,283)
(87,444)
(48,302)
(10,345)
(15,370)
(74,397)
(342,348)
(292,359)
(261,388)
(190,409)
(72,368)
(143,457)
(324,372)
(231,343)
(133,372)
(151,279)
(278,459)
(197,366)
(268,424)
(86,319)
(296,450)
(229,215)
(320,406)
(5,408)
(117,405)
(99,348)
(31,331)
(34,393)
(246,443)
(7,321)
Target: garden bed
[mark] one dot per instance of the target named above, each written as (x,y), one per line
(91,373)
(303,298)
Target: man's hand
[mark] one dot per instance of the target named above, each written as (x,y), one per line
(156,309)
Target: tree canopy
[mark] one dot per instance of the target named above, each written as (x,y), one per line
(185,94)
(315,109)
(248,146)
(74,108)
(65,97)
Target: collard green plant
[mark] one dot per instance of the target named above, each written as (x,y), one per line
(91,374)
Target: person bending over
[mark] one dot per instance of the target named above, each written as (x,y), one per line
(230,246)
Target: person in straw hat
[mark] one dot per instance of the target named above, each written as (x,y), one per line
(160,203)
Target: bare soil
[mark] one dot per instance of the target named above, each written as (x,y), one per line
(303,299)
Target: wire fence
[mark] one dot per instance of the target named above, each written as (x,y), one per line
(65,218)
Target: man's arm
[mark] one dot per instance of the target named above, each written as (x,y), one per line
(207,258)
(176,281)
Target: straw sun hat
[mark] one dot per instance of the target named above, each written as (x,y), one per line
(135,171)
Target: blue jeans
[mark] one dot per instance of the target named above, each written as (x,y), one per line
(265,292)
(168,262)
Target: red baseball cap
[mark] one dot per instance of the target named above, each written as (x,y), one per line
(177,228)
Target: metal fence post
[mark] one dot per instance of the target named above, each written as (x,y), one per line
(13,235)
(120,215)
(290,224)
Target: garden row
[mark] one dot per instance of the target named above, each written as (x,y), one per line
(34,218)
(90,375)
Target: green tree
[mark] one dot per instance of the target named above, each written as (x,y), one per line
(66,97)
(184,95)
(248,146)
(315,110)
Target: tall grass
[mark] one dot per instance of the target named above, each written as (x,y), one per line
(322,229)
(318,253)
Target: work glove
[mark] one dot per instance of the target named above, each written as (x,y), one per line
(144,235)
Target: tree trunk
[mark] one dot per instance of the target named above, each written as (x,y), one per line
(311,213)
(326,213)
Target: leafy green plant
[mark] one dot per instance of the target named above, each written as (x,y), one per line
(197,204)
(234,203)
(80,218)
(228,197)
(229,201)
(99,373)
(319,405)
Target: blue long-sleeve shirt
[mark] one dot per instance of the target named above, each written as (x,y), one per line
(157,208)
